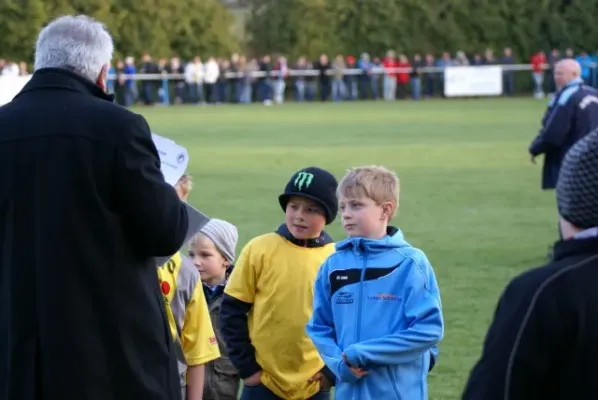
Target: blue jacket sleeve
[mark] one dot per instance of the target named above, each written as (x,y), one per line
(320,329)
(423,311)
(556,127)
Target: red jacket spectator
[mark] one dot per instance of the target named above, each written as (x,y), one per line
(403,77)
(389,63)
(537,61)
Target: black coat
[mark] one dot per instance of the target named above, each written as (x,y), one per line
(83,209)
(542,342)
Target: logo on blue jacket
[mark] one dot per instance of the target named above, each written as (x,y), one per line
(344,298)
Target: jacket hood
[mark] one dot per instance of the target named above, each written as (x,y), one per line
(394,239)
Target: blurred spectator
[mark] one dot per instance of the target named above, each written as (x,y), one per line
(179,83)
(323,65)
(538,61)
(553,58)
(130,83)
(429,77)
(489,57)
(416,83)
(444,62)
(222,81)
(461,59)
(282,70)
(194,74)
(508,75)
(585,61)
(148,87)
(403,77)
(351,79)
(365,65)
(338,84)
(235,82)
(265,82)
(212,72)
(390,77)
(477,60)
(377,70)
(300,80)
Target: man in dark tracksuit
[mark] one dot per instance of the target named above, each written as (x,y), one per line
(571,114)
(542,342)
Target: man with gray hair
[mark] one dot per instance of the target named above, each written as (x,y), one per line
(84,209)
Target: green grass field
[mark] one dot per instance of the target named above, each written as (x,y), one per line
(470,198)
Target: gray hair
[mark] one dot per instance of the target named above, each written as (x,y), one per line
(77,43)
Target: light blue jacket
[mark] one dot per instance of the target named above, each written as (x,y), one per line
(378,302)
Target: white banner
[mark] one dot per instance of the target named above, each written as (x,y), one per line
(10,86)
(473,81)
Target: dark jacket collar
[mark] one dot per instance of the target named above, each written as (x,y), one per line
(575,247)
(58,78)
(320,241)
(391,230)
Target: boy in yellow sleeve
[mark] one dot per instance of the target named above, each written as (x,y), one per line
(188,315)
(269,296)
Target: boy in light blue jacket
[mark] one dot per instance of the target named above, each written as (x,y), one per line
(377,314)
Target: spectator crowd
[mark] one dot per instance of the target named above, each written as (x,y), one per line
(269,80)
(273,79)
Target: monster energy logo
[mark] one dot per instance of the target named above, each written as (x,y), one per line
(303,179)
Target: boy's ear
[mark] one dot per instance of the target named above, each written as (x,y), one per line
(387,209)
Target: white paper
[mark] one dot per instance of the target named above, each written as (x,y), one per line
(174,158)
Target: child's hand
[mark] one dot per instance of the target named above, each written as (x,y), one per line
(325,384)
(357,371)
(254,379)
(183,187)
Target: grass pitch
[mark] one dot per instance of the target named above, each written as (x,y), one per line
(470,198)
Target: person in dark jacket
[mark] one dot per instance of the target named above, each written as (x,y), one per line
(572,113)
(542,341)
(212,251)
(84,209)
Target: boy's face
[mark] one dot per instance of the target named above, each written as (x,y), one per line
(304,218)
(362,217)
(210,263)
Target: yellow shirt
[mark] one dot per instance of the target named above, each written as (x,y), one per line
(187,313)
(277,277)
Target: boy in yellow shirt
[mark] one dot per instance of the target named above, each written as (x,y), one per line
(188,315)
(269,296)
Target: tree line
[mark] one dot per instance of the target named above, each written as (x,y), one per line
(311,27)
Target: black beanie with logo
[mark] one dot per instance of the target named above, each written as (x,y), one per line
(315,184)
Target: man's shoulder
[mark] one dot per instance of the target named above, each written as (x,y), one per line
(546,280)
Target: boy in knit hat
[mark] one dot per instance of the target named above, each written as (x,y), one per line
(269,296)
(542,341)
(213,254)
(188,315)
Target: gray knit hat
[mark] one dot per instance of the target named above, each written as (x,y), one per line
(577,187)
(224,235)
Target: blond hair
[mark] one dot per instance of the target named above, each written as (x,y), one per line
(373,182)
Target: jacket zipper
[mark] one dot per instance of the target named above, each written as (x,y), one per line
(360,302)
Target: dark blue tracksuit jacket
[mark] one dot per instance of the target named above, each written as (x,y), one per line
(571,114)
